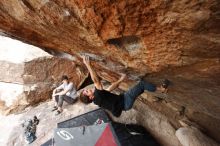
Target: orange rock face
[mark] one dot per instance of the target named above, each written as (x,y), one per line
(178,40)
(167,33)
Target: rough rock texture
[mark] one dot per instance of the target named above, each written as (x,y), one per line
(178,40)
(191,136)
(145,36)
(155,122)
(11,72)
(47,72)
(193,94)
(31,82)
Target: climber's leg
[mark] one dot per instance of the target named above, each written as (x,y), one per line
(134,92)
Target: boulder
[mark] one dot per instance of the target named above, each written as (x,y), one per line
(178,40)
(191,136)
(32,82)
(11,72)
(28,75)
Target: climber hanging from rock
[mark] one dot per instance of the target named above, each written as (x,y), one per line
(65,92)
(112,102)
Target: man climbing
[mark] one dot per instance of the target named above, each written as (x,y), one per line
(115,103)
(65,92)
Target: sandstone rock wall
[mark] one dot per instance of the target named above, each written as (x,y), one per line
(11,72)
(136,35)
(31,82)
(178,40)
(193,94)
(155,123)
(192,136)
(44,74)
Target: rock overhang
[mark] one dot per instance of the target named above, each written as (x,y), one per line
(178,40)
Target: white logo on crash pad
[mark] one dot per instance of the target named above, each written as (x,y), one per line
(65,135)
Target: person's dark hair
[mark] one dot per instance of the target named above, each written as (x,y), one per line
(64,77)
(85,99)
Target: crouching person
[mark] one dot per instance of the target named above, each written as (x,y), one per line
(65,92)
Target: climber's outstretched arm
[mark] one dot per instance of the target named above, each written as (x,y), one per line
(115,84)
(93,74)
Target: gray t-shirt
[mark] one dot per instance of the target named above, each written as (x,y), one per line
(71,89)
